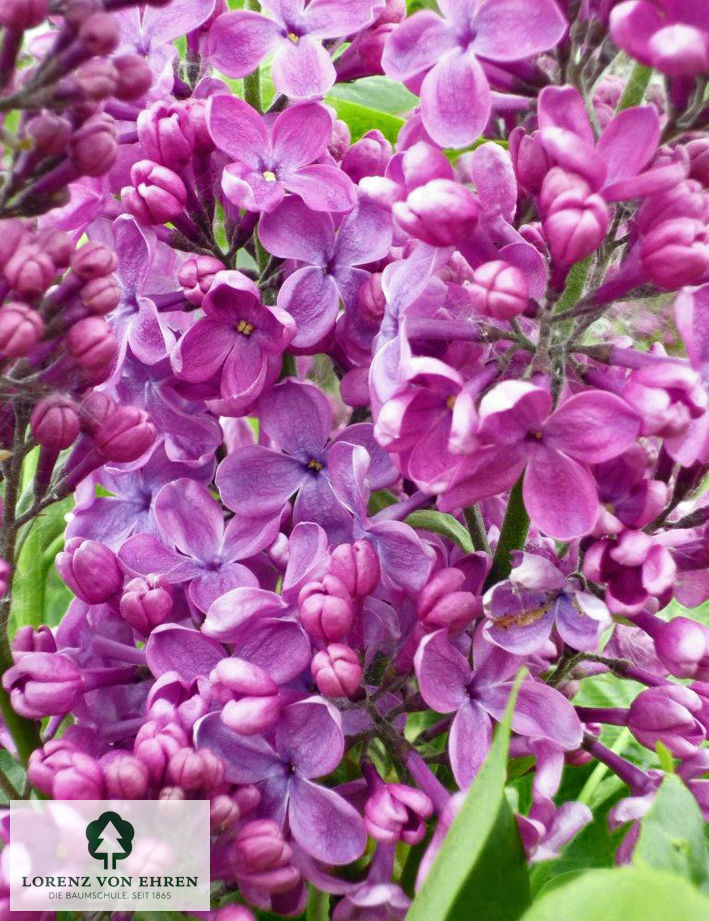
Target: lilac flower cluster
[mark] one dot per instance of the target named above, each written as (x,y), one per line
(357,427)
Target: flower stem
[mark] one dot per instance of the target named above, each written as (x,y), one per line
(635,87)
(476,528)
(512,536)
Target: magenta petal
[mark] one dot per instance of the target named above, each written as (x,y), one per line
(629,141)
(632,27)
(188,516)
(328,19)
(227,613)
(237,129)
(405,560)
(562,107)
(416,44)
(307,558)
(364,236)
(280,647)
(303,70)
(240,39)
(469,742)
(252,192)
(201,352)
(541,712)
(322,187)
(309,736)
(256,481)
(312,299)
(301,134)
(293,231)
(247,759)
(208,586)
(324,824)
(244,371)
(291,400)
(559,495)
(487,472)
(443,673)
(455,99)
(146,553)
(171,648)
(163,25)
(510,30)
(592,427)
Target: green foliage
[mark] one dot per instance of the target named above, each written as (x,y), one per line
(620,894)
(442,523)
(360,118)
(378,93)
(480,870)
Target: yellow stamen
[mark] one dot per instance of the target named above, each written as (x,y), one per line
(523,618)
(269,175)
(294,38)
(314,465)
(245,328)
(450,402)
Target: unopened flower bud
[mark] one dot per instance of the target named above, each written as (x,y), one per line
(337,671)
(157,195)
(676,252)
(154,746)
(356,566)
(575,218)
(395,812)
(20,329)
(339,140)
(90,569)
(124,435)
(441,212)
(99,33)
(93,147)
(195,770)
(252,701)
(55,423)
(324,615)
(133,77)
(233,913)
(101,295)
(363,57)
(263,858)
(146,602)
(498,290)
(529,159)
(667,714)
(442,603)
(27,639)
(57,244)
(126,776)
(371,301)
(30,270)
(20,15)
(224,812)
(13,234)
(96,79)
(166,134)
(82,778)
(196,275)
(682,645)
(93,260)
(49,132)
(368,156)
(92,344)
(43,684)
(95,408)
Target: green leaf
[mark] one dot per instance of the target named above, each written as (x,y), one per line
(480,871)
(360,118)
(672,834)
(621,894)
(441,523)
(379,93)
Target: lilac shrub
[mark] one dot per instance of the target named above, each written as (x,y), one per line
(343,428)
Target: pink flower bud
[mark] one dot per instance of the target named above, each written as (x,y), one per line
(262,857)
(529,159)
(99,33)
(196,275)
(252,701)
(368,156)
(157,195)
(97,78)
(93,147)
(224,812)
(95,409)
(395,812)
(339,140)
(101,295)
(441,602)
(126,776)
(324,615)
(166,134)
(576,219)
(498,290)
(93,260)
(698,150)
(90,569)
(57,244)
(370,298)
(30,270)
(27,639)
(133,77)
(43,684)
(81,778)
(195,770)
(124,435)
(146,602)
(55,423)
(49,132)
(21,329)
(233,913)
(441,213)
(13,234)
(676,252)
(92,344)
(356,566)
(337,671)
(682,645)
(667,714)
(154,746)
(19,15)
(203,143)
(363,57)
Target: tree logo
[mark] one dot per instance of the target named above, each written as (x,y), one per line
(110,839)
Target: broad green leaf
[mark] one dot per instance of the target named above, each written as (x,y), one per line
(442,523)
(360,118)
(380,499)
(621,894)
(480,871)
(379,93)
(672,834)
